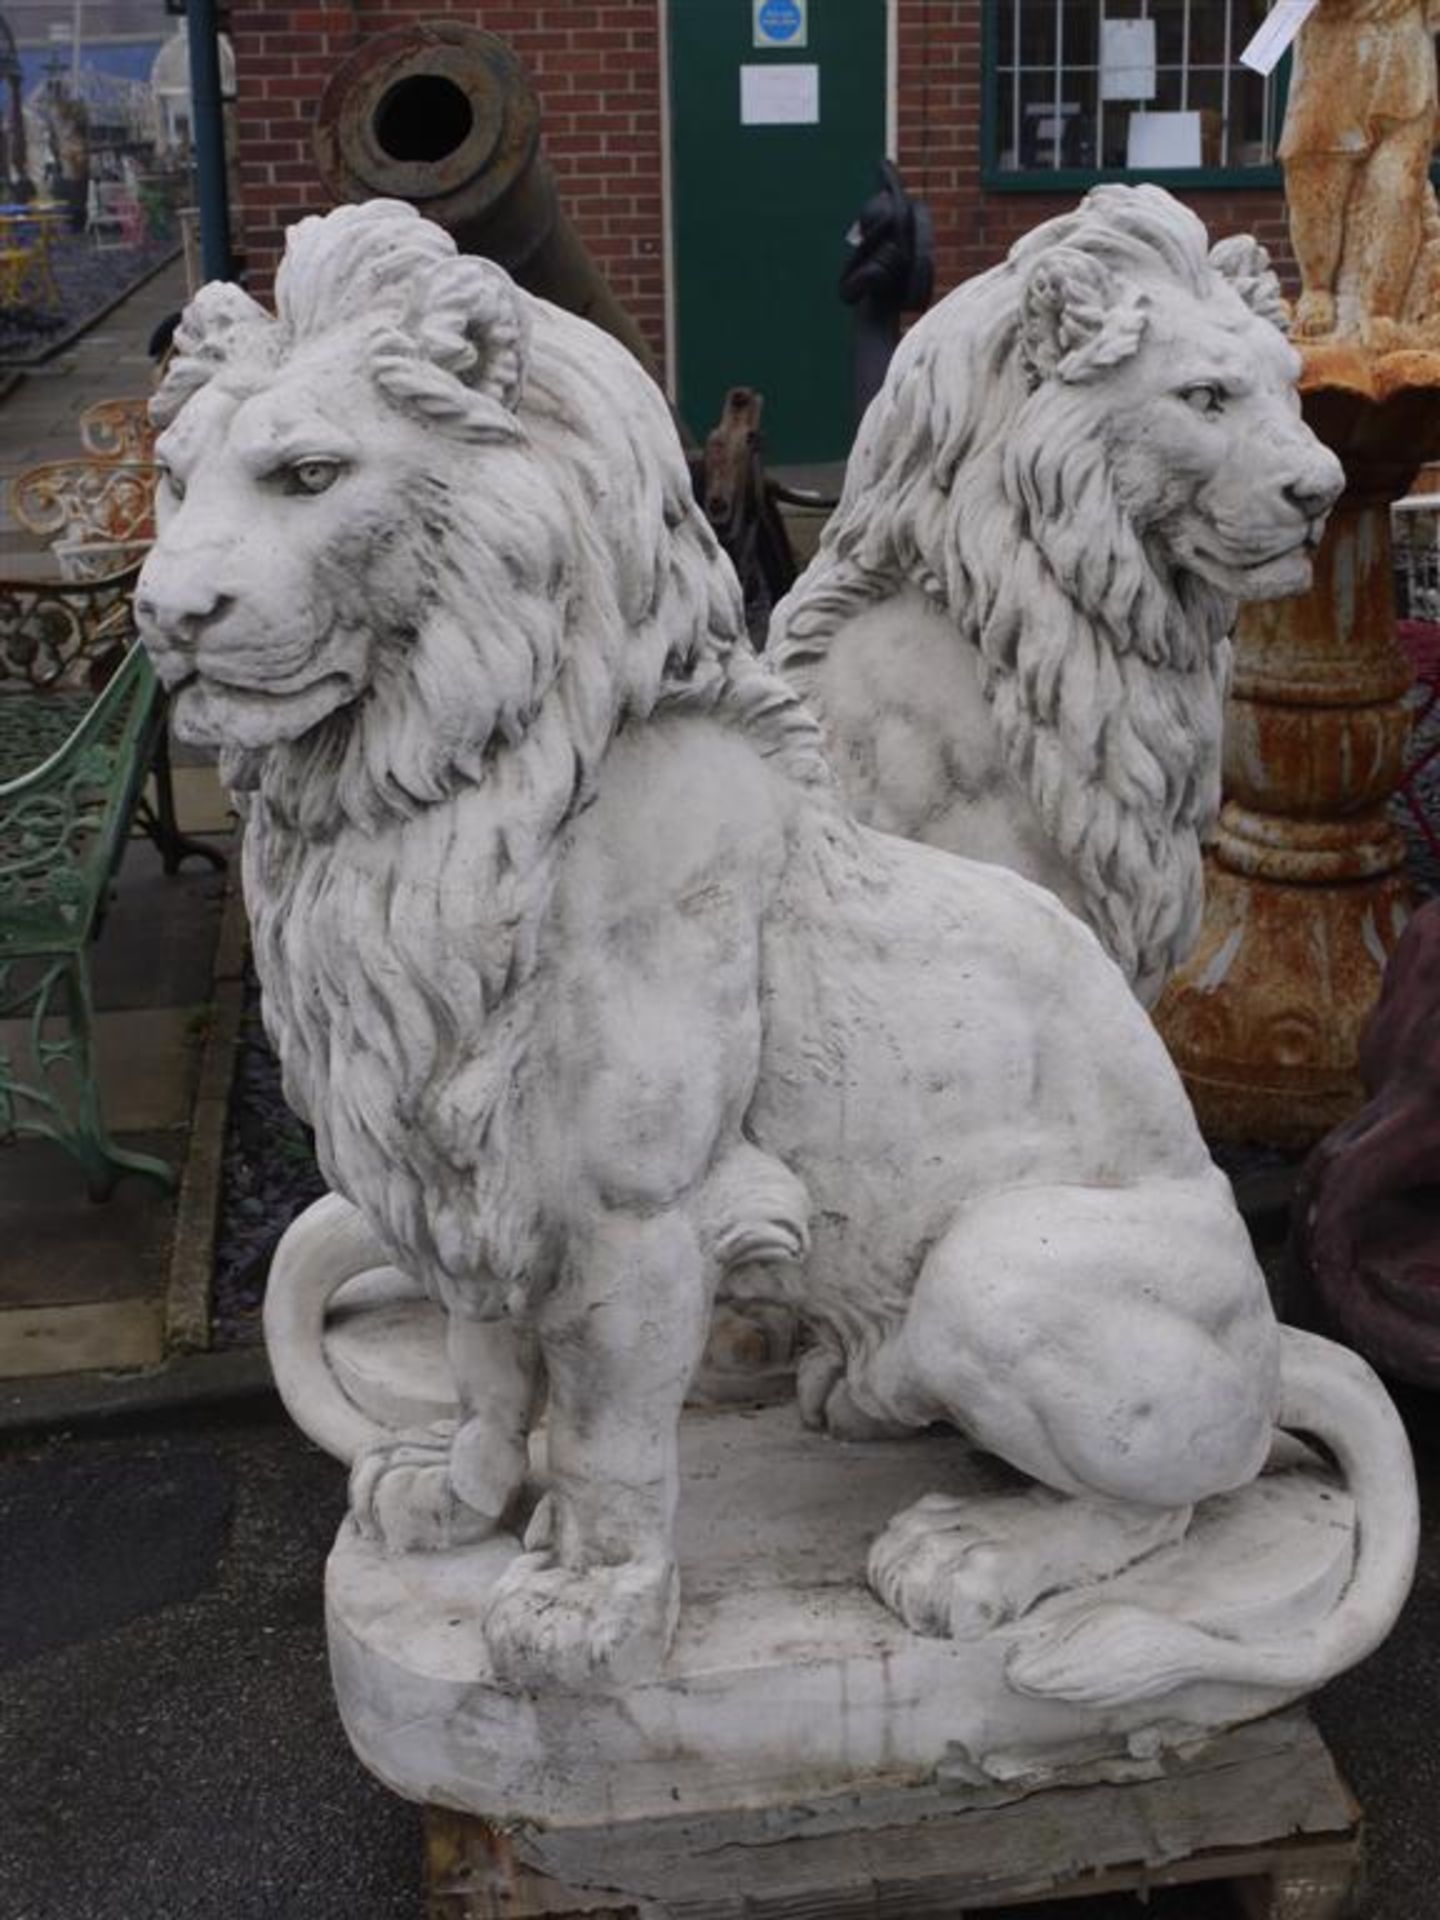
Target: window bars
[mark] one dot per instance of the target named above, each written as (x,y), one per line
(1059,106)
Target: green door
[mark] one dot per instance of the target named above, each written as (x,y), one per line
(774,148)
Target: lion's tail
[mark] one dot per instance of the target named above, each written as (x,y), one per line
(1109,1653)
(326,1246)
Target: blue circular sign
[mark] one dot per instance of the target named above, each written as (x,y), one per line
(779,19)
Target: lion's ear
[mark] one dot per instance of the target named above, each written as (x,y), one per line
(459,354)
(1077,317)
(474,324)
(1246,265)
(218,322)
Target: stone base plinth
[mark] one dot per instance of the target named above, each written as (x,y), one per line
(788,1679)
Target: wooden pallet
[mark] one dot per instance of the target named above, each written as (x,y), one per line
(1260,1812)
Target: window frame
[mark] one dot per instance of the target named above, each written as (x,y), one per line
(1071,180)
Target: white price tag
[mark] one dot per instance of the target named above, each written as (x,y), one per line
(1280,27)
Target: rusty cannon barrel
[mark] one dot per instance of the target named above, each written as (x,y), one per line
(444,116)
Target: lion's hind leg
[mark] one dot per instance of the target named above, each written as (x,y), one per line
(1113,1344)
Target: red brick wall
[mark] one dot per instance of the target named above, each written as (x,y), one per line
(596,68)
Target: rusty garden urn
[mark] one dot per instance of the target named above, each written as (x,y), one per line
(1306,891)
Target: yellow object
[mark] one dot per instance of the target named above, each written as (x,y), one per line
(27,277)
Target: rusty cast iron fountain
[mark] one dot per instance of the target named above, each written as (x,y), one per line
(1306,893)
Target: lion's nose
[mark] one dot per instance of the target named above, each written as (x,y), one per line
(176,605)
(1317,490)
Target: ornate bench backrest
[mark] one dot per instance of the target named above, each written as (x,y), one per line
(118,429)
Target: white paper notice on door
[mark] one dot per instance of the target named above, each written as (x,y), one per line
(1127,59)
(1163,140)
(780,95)
(1279,27)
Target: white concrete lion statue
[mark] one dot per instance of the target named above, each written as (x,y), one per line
(1015,632)
(601,1004)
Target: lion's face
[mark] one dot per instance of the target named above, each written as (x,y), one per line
(281,561)
(1210,459)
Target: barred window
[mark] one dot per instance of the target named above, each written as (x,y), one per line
(1151,86)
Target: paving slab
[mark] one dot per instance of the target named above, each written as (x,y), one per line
(61,1248)
(86,1286)
(146,1059)
(159,933)
(145,1063)
(113,1334)
(202,805)
(181,1387)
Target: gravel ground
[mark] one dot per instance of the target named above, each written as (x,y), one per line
(90,279)
(268,1176)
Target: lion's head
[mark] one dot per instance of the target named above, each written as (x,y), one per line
(387,510)
(1085,458)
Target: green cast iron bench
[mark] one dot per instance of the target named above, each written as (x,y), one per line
(81,719)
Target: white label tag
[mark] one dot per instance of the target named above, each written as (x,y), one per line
(1279,28)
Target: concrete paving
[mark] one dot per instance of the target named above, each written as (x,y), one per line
(86,1286)
(81,1286)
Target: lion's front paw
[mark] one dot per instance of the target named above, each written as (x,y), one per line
(402,1495)
(955,1568)
(562,1626)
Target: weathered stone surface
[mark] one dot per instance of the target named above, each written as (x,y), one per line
(603,1008)
(1016,630)
(788,1679)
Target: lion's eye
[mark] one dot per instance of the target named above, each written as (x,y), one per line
(1205,398)
(312,476)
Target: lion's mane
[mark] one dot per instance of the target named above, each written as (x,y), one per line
(569,586)
(967,482)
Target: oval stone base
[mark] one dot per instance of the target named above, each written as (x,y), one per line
(788,1678)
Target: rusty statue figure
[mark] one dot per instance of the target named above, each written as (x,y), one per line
(1356,151)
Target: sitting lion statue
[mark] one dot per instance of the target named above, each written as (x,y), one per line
(1015,630)
(600,1004)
